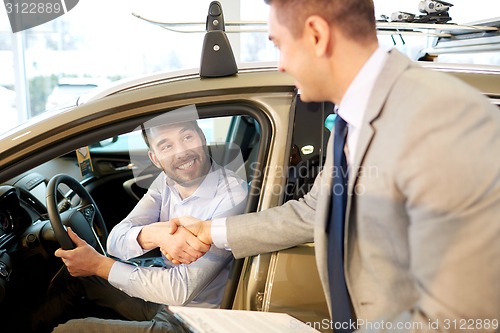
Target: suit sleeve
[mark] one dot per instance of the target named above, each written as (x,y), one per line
(276,228)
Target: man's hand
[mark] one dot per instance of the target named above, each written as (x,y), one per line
(198,228)
(84,260)
(177,241)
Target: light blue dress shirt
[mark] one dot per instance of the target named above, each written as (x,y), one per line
(222,193)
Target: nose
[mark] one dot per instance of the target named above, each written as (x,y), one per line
(281,68)
(180,150)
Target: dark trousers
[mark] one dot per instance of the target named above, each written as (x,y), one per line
(69,298)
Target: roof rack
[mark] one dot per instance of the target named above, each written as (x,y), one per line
(217,58)
(484,37)
(432,29)
(197,27)
(449,37)
(396,28)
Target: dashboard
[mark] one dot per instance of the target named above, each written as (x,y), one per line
(8,203)
(27,239)
(14,216)
(24,227)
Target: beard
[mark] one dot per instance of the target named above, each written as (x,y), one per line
(188,171)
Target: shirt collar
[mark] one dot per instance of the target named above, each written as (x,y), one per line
(353,105)
(207,188)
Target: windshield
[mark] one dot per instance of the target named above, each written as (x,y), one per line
(35,63)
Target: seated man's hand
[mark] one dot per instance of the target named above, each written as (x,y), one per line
(201,229)
(84,260)
(176,241)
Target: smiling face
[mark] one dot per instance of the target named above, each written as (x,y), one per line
(179,150)
(299,57)
(322,43)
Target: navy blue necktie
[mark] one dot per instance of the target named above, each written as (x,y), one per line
(341,303)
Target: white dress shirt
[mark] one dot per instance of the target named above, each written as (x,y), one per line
(353,105)
(221,194)
(352,109)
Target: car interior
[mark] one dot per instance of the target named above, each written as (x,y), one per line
(27,236)
(27,240)
(103,189)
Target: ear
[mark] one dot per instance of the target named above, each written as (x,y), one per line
(317,29)
(154,159)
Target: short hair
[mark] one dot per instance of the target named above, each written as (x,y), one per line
(355,18)
(147,131)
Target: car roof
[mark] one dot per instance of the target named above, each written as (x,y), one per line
(134,83)
(169,86)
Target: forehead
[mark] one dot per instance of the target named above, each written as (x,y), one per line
(170,130)
(275,29)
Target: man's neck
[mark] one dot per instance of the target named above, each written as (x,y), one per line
(348,63)
(185,191)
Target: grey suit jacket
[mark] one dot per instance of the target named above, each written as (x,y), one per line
(422,242)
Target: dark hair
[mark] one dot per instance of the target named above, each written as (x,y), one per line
(147,131)
(355,18)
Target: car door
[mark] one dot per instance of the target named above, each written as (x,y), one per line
(287,280)
(252,122)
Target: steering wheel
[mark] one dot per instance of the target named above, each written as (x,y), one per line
(84,219)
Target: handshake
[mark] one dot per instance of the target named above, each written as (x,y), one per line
(182,240)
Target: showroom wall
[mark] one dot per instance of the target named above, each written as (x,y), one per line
(101,41)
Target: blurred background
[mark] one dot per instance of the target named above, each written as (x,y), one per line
(99,42)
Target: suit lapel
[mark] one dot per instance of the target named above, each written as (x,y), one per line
(395,65)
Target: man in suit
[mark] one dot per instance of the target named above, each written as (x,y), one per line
(421,227)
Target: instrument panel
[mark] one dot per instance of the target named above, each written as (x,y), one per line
(20,209)
(8,202)
(21,204)
(6,222)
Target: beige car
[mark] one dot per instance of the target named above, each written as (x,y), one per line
(255,124)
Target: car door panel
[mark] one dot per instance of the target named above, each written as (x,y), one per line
(288,280)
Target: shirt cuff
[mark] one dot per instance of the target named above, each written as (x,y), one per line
(119,275)
(135,249)
(219,234)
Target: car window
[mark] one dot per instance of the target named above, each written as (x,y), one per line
(120,164)
(215,129)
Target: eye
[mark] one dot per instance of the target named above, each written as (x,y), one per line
(166,147)
(188,137)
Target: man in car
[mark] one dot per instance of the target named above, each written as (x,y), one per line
(405,214)
(191,183)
